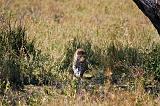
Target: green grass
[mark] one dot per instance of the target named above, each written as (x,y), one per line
(38,40)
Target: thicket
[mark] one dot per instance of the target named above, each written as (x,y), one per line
(20,62)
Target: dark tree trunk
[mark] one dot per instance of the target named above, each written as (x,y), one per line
(151,8)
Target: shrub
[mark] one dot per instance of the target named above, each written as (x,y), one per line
(122,61)
(128,63)
(152,61)
(20,62)
(13,48)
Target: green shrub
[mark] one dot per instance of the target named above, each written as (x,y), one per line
(20,62)
(152,61)
(13,48)
(127,62)
(122,60)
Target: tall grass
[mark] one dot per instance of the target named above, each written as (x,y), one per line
(20,62)
(93,53)
(36,54)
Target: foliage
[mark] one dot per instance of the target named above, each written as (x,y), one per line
(152,61)
(20,62)
(38,57)
(129,62)
(122,62)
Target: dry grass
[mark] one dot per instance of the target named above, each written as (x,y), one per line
(100,21)
(107,96)
(52,23)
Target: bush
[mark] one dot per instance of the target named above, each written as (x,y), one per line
(152,61)
(13,48)
(123,60)
(128,63)
(20,62)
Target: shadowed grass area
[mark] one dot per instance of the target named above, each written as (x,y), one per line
(20,62)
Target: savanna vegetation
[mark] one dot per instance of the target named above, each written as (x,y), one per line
(38,39)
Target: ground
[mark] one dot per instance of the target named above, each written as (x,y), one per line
(53,24)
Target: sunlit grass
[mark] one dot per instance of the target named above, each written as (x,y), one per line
(52,24)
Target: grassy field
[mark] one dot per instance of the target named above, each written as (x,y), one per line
(122,46)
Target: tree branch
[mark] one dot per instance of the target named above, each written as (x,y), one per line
(151,8)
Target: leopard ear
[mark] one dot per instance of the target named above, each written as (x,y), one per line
(80,51)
